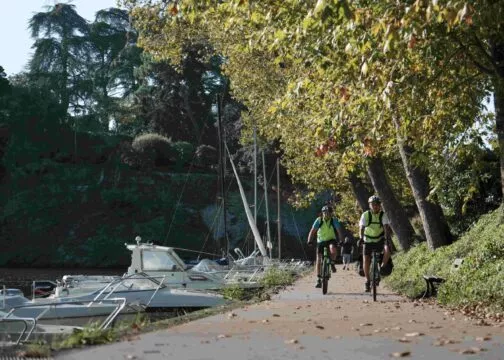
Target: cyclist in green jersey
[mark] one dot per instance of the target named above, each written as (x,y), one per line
(328,230)
(375,233)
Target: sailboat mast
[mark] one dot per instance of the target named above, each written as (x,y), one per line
(278,211)
(268,235)
(255,179)
(222,159)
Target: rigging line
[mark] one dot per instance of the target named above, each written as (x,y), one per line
(298,235)
(189,250)
(217,217)
(209,232)
(183,189)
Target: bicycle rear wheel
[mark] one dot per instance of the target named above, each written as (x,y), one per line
(374,269)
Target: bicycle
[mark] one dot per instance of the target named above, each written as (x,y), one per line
(374,272)
(325,269)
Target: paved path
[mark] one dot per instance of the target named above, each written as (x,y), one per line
(301,323)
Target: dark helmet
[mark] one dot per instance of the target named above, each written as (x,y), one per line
(374,199)
(327,208)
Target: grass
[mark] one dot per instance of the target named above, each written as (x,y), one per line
(479,281)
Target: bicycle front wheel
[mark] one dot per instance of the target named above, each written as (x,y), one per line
(325,277)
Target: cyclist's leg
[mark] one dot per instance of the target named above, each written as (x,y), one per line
(320,252)
(317,263)
(333,252)
(366,257)
(386,254)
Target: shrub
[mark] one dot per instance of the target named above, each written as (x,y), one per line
(275,277)
(185,152)
(206,155)
(234,292)
(156,148)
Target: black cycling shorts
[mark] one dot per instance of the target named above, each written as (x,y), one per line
(321,245)
(378,246)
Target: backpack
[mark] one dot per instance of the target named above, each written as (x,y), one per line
(368,220)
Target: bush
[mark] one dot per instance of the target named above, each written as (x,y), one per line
(185,152)
(275,277)
(234,292)
(206,155)
(156,148)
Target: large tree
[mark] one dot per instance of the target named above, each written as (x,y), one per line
(345,70)
(61,51)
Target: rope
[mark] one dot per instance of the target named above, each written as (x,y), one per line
(194,251)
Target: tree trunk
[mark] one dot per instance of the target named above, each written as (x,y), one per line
(361,192)
(498,84)
(399,222)
(436,229)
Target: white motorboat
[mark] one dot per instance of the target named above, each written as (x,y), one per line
(54,311)
(137,289)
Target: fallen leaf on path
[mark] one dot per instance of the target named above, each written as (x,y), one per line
(401,354)
(472,350)
(291,341)
(443,342)
(483,338)
(413,334)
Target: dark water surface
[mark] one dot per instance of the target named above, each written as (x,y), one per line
(22,278)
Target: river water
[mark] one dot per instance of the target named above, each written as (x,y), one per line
(22,278)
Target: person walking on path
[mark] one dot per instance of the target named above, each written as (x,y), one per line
(328,230)
(346,252)
(375,233)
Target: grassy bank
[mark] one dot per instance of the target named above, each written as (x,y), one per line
(479,281)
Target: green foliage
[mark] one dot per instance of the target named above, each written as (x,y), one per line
(480,279)
(275,277)
(89,335)
(185,152)
(155,147)
(38,349)
(234,292)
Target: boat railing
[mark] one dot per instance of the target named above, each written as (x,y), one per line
(120,305)
(25,333)
(157,289)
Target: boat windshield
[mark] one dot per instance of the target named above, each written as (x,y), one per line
(138,283)
(157,261)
